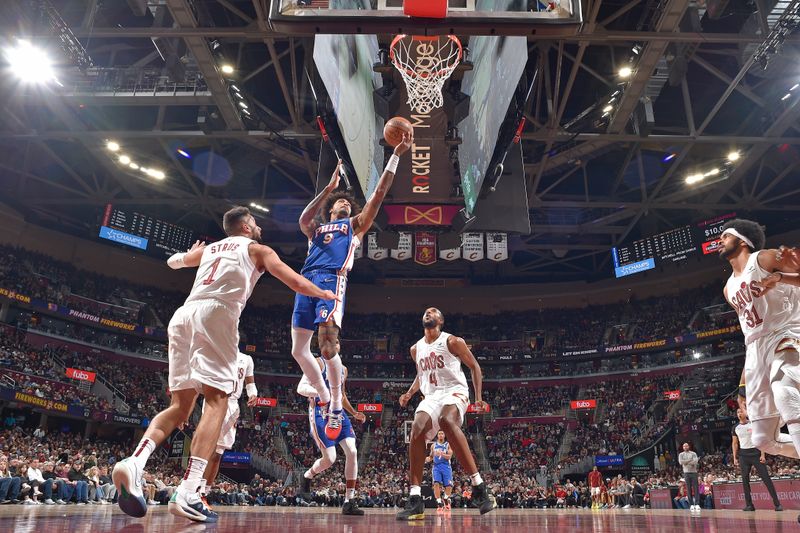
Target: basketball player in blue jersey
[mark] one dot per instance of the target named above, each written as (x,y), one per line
(327,447)
(442,471)
(331,245)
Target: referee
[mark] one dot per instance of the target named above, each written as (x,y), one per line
(747,455)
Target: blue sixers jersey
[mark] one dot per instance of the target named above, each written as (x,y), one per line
(440,461)
(332,247)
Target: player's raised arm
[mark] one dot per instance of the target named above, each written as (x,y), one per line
(459,348)
(363,221)
(308,218)
(265,258)
(784,265)
(187,259)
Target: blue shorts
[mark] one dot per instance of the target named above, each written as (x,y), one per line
(443,474)
(308,311)
(317,424)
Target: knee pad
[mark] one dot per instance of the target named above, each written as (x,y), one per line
(787,400)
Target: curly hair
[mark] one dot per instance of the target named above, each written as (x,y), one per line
(750,229)
(355,207)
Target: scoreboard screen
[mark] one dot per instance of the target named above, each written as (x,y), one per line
(669,247)
(151,235)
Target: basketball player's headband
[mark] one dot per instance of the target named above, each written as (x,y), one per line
(735,233)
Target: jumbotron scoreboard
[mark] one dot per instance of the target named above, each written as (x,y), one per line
(143,232)
(669,247)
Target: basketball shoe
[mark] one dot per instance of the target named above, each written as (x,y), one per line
(351,508)
(127,478)
(191,507)
(333,427)
(483,499)
(415,509)
(447,504)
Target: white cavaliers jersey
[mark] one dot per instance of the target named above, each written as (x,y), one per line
(244,369)
(761,314)
(226,274)
(437,368)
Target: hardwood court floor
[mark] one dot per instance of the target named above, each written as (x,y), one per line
(97,519)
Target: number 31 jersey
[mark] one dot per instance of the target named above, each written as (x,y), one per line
(762,313)
(438,369)
(226,274)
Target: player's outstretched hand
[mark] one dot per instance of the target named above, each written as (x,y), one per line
(791,256)
(251,402)
(404,399)
(405,144)
(360,417)
(334,183)
(196,245)
(768,283)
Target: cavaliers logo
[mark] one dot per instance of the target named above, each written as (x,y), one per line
(425,249)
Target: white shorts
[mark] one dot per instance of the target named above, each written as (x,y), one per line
(595,491)
(203,346)
(762,366)
(433,405)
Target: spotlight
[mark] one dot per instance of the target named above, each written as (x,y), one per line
(226,69)
(184,153)
(625,72)
(157,174)
(242,105)
(235,88)
(124,159)
(111,145)
(694,178)
(29,63)
(712,172)
(608,108)
(697,355)
(669,157)
(734,156)
(785,96)
(133,165)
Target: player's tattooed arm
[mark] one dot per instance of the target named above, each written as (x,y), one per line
(308,219)
(363,221)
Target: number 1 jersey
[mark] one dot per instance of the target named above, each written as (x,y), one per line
(226,274)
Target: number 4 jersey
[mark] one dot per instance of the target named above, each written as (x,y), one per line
(226,274)
(762,313)
(438,369)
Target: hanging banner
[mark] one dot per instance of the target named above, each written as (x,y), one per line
(359,253)
(373,252)
(450,254)
(473,246)
(404,250)
(497,246)
(424,248)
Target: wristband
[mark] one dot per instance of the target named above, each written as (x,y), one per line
(176,261)
(391,166)
(251,389)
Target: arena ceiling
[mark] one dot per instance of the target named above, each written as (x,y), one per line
(594,180)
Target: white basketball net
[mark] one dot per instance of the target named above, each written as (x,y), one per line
(425,63)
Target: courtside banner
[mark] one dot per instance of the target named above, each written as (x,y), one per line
(266,402)
(583,404)
(82,375)
(672,394)
(370,407)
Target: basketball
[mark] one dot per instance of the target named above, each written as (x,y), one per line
(395,128)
